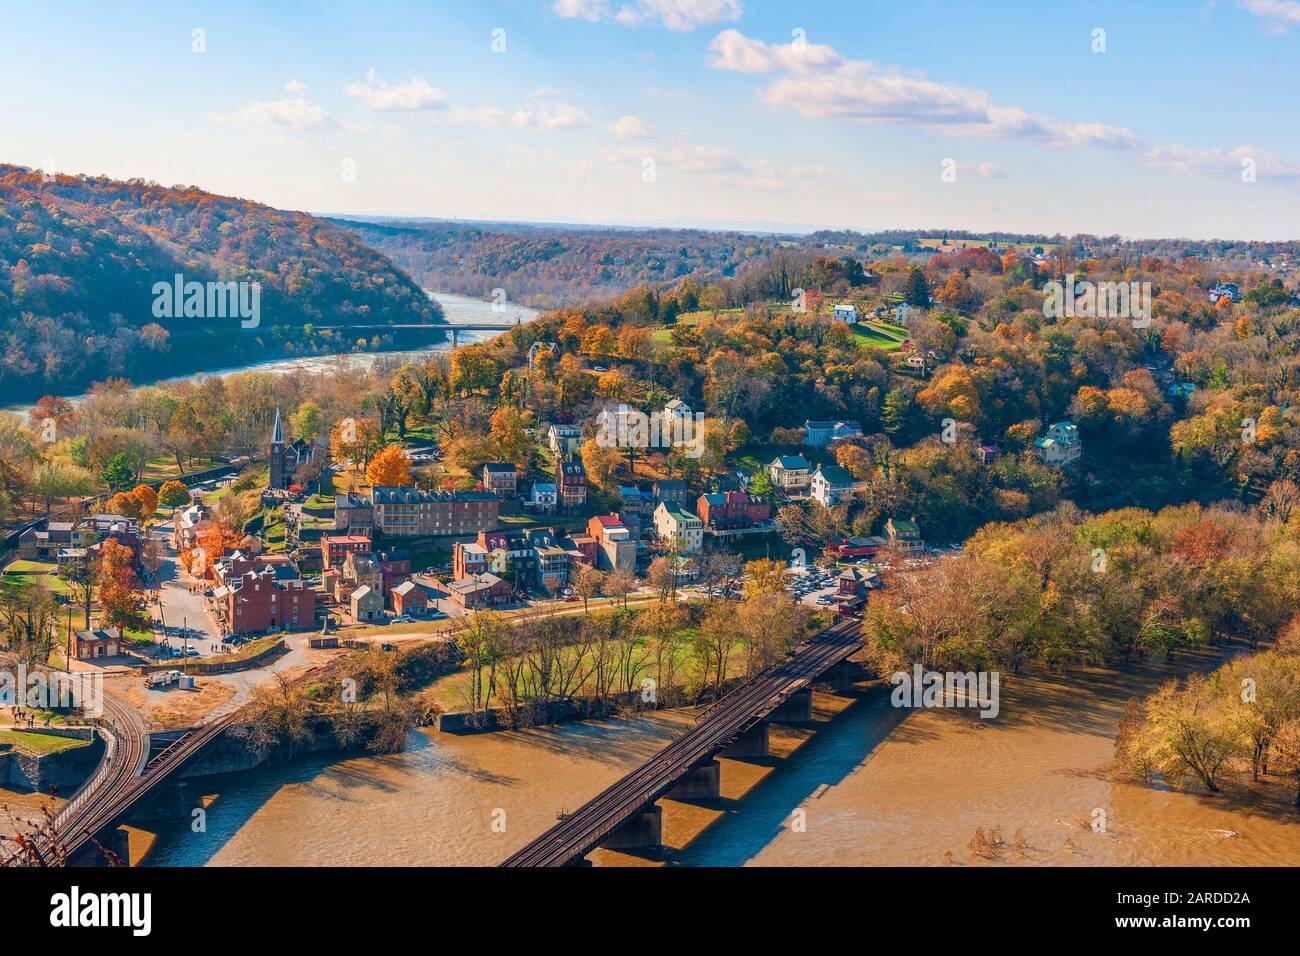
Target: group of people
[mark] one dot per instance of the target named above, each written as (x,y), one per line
(25,718)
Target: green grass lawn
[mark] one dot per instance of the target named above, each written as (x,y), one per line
(320,503)
(210,498)
(46,572)
(41,744)
(879,335)
(415,437)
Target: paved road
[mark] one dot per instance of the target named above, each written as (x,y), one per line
(180,607)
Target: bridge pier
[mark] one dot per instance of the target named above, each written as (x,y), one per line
(644,831)
(115,841)
(173,800)
(797,708)
(754,742)
(701,783)
(841,676)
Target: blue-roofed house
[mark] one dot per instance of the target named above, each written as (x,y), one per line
(790,474)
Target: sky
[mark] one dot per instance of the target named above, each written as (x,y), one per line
(1166,118)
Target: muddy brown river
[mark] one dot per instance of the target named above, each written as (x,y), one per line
(871,785)
(876,786)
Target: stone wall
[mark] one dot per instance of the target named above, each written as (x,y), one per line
(64,769)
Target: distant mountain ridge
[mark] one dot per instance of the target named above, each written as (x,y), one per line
(80,256)
(553,266)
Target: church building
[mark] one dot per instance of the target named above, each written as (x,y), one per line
(287,458)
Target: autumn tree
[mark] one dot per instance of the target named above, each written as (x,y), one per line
(389,467)
(354,440)
(119,588)
(174,494)
(586,584)
(619,584)
(146,501)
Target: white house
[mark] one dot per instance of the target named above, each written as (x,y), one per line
(545,496)
(1061,445)
(820,434)
(676,410)
(536,347)
(564,439)
(677,525)
(848,314)
(831,484)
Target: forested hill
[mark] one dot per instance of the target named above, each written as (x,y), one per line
(553,266)
(79,257)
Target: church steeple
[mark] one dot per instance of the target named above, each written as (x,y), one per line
(277,435)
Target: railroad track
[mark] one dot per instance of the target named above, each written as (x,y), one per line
(582,831)
(125,775)
(82,818)
(123,790)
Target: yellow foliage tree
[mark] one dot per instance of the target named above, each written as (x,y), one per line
(390,466)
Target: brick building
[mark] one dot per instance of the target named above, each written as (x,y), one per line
(408,512)
(335,548)
(258,601)
(571,481)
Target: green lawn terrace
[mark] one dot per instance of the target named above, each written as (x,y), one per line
(39,744)
(875,334)
(25,571)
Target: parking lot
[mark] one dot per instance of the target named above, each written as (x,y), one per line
(813,585)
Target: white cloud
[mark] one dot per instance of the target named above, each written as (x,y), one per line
(294,113)
(590,10)
(530,116)
(295,88)
(816,82)
(680,15)
(414,94)
(991,171)
(1183,159)
(1279,13)
(630,127)
(732,50)
(686,158)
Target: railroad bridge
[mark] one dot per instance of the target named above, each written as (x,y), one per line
(624,816)
(627,815)
(130,771)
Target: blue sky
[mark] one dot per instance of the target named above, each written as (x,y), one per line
(689,112)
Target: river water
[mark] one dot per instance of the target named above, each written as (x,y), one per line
(458,309)
(878,786)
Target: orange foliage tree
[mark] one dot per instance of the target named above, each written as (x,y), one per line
(124,503)
(390,466)
(147,501)
(119,595)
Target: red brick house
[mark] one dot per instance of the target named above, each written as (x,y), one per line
(335,548)
(732,509)
(258,602)
(104,642)
(571,481)
(410,598)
